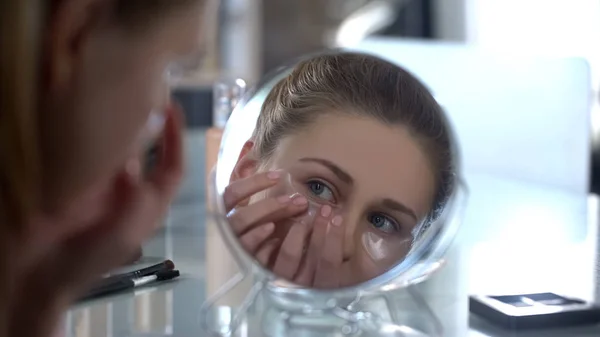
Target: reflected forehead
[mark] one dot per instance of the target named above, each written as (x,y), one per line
(371,137)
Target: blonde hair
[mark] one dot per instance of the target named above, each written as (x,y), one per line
(365,86)
(22,24)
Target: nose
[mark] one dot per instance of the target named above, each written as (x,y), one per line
(351,225)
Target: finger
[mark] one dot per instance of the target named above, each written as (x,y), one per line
(330,263)
(139,253)
(242,189)
(254,238)
(306,274)
(157,191)
(290,253)
(168,173)
(268,210)
(266,252)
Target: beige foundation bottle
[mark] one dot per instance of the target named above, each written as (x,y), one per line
(226,95)
(219,263)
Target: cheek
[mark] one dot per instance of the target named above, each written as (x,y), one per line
(134,98)
(93,126)
(118,108)
(364,268)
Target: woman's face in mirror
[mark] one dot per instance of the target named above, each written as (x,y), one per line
(374,177)
(349,163)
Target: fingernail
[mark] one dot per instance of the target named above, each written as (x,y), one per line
(326,211)
(337,221)
(284,199)
(156,122)
(269,228)
(300,200)
(134,168)
(274,175)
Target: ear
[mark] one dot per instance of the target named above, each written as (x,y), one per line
(247,163)
(70,24)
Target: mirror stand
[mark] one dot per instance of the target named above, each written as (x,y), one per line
(432,323)
(225,321)
(264,310)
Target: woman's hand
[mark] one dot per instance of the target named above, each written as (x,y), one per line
(310,259)
(323,257)
(52,268)
(254,224)
(311,256)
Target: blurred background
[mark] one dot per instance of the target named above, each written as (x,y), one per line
(255,36)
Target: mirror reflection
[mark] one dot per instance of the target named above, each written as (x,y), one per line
(349,164)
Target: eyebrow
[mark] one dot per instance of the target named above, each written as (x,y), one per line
(339,172)
(393,204)
(347,178)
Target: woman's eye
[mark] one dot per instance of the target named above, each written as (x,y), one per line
(321,190)
(383,223)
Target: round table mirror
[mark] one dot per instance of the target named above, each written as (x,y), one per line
(338,177)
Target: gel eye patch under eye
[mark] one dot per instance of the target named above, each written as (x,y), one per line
(384,249)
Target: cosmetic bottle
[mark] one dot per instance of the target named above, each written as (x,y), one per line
(226,95)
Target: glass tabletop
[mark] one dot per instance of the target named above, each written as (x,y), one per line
(188,238)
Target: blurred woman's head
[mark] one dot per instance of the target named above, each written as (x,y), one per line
(79,79)
(365,137)
(79,83)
